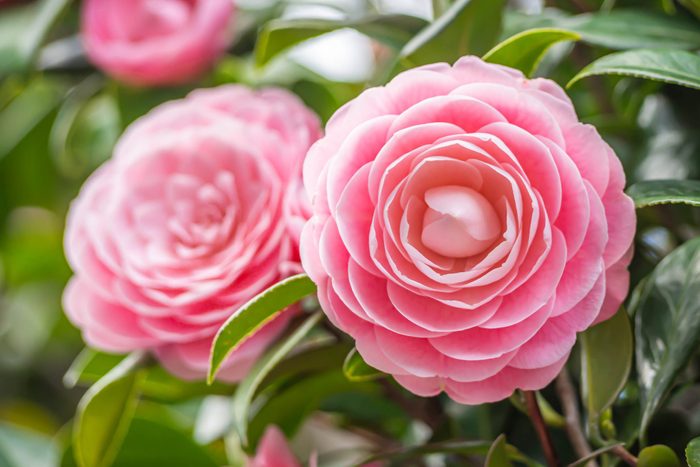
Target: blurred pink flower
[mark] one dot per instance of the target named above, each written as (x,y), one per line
(273,451)
(465,227)
(185,224)
(152,42)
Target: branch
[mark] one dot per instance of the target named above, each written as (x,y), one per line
(538,422)
(569,402)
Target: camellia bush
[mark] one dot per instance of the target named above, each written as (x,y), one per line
(349,233)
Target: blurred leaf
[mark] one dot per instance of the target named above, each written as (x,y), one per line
(246,389)
(23,30)
(606,359)
(498,454)
(692,453)
(665,65)
(84,133)
(314,360)
(252,316)
(525,50)
(137,102)
(658,456)
(598,452)
(467,448)
(289,408)
(279,35)
(635,29)
(26,110)
(667,324)
(356,369)
(468,27)
(157,383)
(23,448)
(653,192)
(104,414)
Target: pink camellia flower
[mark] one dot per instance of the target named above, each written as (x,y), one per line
(151,42)
(465,227)
(185,224)
(273,451)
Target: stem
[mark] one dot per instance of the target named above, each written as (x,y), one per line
(569,402)
(541,429)
(625,455)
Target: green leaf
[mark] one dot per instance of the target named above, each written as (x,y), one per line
(665,65)
(246,389)
(692,453)
(598,452)
(498,454)
(90,365)
(20,447)
(525,50)
(667,325)
(468,27)
(658,456)
(252,316)
(280,34)
(356,369)
(23,29)
(26,111)
(653,192)
(606,359)
(635,29)
(104,414)
(289,408)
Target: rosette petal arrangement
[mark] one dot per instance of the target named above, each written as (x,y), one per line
(186,223)
(466,226)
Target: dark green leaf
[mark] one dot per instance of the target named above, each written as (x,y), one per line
(104,414)
(606,359)
(665,65)
(20,447)
(667,324)
(468,27)
(280,34)
(653,192)
(692,453)
(635,29)
(288,409)
(151,442)
(23,30)
(658,456)
(252,316)
(594,454)
(525,50)
(467,448)
(356,369)
(247,388)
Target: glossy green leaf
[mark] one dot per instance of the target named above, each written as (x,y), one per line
(635,29)
(252,316)
(356,369)
(466,27)
(247,388)
(606,359)
(666,65)
(658,456)
(654,192)
(280,34)
(498,454)
(23,30)
(104,414)
(90,365)
(20,447)
(667,324)
(525,50)
(692,453)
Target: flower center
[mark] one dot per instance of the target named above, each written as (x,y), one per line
(459,222)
